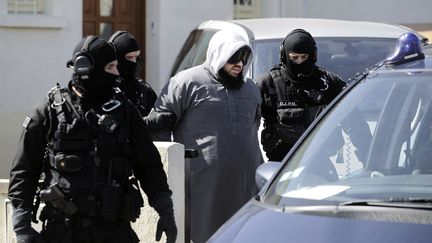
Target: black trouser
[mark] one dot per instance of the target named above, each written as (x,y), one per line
(88,231)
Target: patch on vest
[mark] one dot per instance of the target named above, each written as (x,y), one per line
(26,122)
(288,104)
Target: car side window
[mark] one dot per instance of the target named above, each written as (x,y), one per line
(194,50)
(266,56)
(201,48)
(348,56)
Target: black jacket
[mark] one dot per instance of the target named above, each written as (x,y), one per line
(28,162)
(306,97)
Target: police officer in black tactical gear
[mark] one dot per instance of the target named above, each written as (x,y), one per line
(293,93)
(82,151)
(128,55)
(135,89)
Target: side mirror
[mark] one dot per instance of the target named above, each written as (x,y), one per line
(265,172)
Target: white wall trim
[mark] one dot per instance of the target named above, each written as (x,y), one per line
(32,21)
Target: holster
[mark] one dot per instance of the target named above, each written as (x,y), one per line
(54,196)
(132,201)
(289,133)
(269,138)
(111,198)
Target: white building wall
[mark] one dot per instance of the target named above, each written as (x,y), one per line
(33,54)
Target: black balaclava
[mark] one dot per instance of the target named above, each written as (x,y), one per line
(299,41)
(125,42)
(100,83)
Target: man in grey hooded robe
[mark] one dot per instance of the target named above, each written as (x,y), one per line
(218,113)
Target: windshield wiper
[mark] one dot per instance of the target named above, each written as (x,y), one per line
(418,203)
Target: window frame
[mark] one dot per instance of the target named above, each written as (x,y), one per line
(50,18)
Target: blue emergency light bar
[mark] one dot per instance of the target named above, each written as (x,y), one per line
(407,48)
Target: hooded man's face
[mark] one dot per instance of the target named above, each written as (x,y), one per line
(232,72)
(231,76)
(228,58)
(234,65)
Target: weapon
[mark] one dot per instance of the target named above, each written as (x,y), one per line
(55,197)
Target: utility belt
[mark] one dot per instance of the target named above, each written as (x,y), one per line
(115,202)
(70,221)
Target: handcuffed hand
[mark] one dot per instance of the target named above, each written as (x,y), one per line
(29,236)
(160,120)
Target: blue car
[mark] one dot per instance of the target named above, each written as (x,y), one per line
(362,172)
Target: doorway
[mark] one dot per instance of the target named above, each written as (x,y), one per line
(104,17)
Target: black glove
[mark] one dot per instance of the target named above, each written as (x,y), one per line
(160,121)
(167,224)
(163,205)
(29,236)
(21,220)
(315,96)
(269,138)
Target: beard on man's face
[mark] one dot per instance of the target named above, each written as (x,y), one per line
(229,81)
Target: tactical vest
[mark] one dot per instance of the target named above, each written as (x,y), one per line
(87,165)
(291,106)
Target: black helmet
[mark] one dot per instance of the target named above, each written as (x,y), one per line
(298,41)
(89,59)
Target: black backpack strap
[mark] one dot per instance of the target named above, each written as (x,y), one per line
(278,83)
(59,100)
(270,98)
(124,133)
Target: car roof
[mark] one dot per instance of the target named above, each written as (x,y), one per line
(260,28)
(410,66)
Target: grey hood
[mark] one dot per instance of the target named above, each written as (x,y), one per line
(221,47)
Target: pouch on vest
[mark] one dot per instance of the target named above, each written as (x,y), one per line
(286,115)
(289,133)
(111,202)
(105,122)
(132,201)
(68,163)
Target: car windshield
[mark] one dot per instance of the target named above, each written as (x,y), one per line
(341,55)
(374,144)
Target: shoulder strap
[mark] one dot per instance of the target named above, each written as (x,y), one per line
(143,91)
(124,133)
(280,83)
(60,101)
(59,97)
(275,75)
